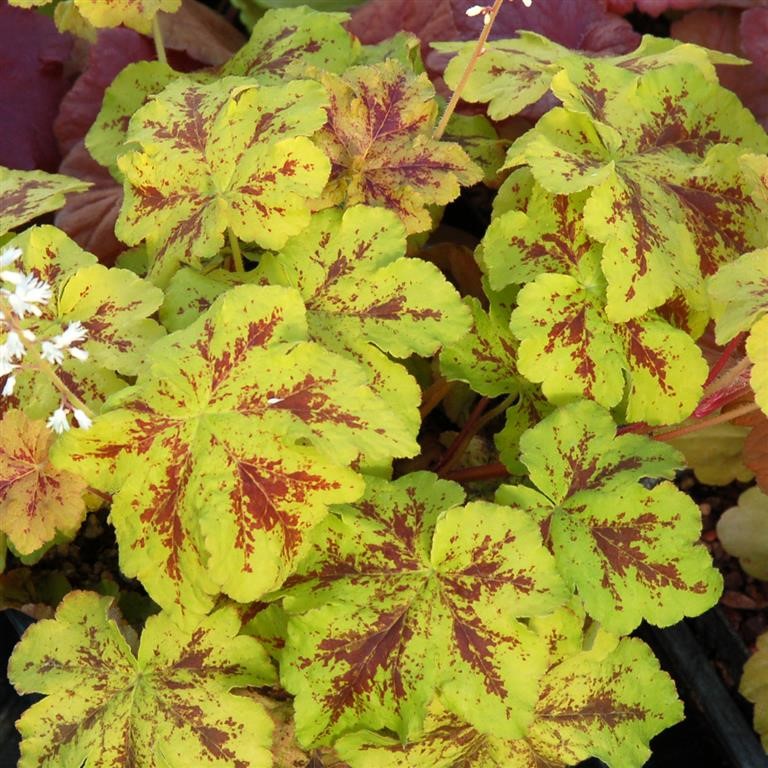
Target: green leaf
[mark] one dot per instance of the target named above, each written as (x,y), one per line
(592,704)
(379,139)
(743,531)
(528,410)
(479,139)
(486,358)
(628,551)
(130,90)
(111,304)
(286,42)
(665,189)
(25,195)
(510,75)
(134,14)
(351,270)
(226,155)
(403,572)
(166,707)
(515,73)
(548,236)
(740,294)
(568,344)
(235,438)
(754,686)
(757,351)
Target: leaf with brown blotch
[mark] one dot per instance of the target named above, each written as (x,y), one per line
(390,580)
(379,139)
(37,501)
(25,195)
(164,704)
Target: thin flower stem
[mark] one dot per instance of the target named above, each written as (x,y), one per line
(479,48)
(721,418)
(235,248)
(42,365)
(434,395)
(157,35)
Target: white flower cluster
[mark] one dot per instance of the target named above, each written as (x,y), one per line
(25,296)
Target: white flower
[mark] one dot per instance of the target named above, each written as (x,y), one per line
(29,292)
(475,10)
(10,383)
(79,354)
(51,353)
(527,3)
(8,256)
(82,419)
(58,421)
(73,333)
(7,367)
(12,347)
(28,335)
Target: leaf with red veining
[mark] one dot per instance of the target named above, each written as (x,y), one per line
(669,199)
(547,236)
(486,357)
(89,217)
(733,31)
(583,25)
(33,79)
(631,553)
(131,89)
(163,704)
(405,571)
(229,448)
(113,306)
(352,272)
(568,345)
(379,139)
(36,500)
(25,195)
(286,42)
(228,155)
(603,702)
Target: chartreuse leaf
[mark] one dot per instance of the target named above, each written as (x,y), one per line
(512,74)
(235,438)
(230,154)
(113,306)
(135,14)
(548,236)
(167,706)
(568,344)
(628,551)
(36,500)
(351,270)
(486,358)
(740,294)
(285,42)
(596,702)
(666,182)
(379,138)
(129,91)
(404,572)
(25,195)
(754,686)
(743,531)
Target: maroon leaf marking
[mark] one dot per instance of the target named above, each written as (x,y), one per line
(365,656)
